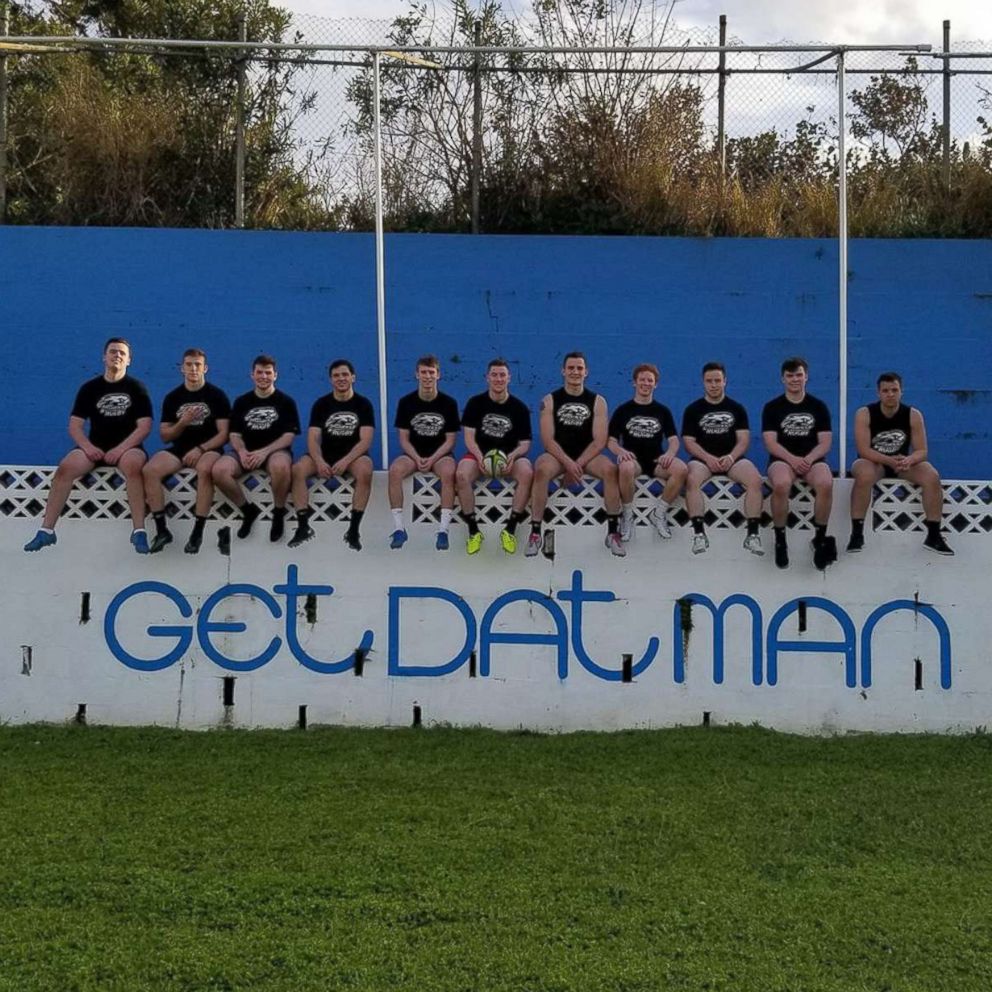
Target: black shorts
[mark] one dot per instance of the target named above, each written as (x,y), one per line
(771,461)
(100,463)
(647,468)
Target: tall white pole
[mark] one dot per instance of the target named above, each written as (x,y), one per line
(380,273)
(842,258)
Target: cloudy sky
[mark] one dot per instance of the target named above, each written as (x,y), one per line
(756,22)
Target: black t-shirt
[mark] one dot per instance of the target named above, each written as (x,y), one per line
(212,404)
(500,426)
(714,426)
(262,420)
(573,418)
(890,435)
(643,429)
(340,423)
(796,425)
(428,421)
(112,408)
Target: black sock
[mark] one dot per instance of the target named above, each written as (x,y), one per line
(516,517)
(535,526)
(612,523)
(160,524)
(697,525)
(780,535)
(356,521)
(471,523)
(753,524)
(933,528)
(820,532)
(198,524)
(302,517)
(857,528)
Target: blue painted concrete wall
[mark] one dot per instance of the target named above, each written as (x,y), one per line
(922,307)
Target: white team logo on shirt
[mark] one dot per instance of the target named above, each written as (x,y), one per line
(573,414)
(798,425)
(201,410)
(643,427)
(342,424)
(888,442)
(716,423)
(113,404)
(261,417)
(427,424)
(496,425)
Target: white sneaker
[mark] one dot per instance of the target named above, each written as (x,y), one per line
(615,545)
(659,520)
(626,528)
(752,543)
(700,542)
(533,545)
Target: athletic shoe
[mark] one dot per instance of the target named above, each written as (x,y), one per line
(533,545)
(193,544)
(224,541)
(277,527)
(509,542)
(824,552)
(249,514)
(397,539)
(474,543)
(856,543)
(353,540)
(752,543)
(781,554)
(659,520)
(139,541)
(41,540)
(615,545)
(700,542)
(938,545)
(304,533)
(441,541)
(160,540)
(626,528)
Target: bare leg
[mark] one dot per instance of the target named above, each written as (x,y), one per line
(675,478)
(361,472)
(698,475)
(130,467)
(780,477)
(74,466)
(158,468)
(926,477)
(205,482)
(546,468)
(604,469)
(226,471)
(522,474)
(300,475)
(402,467)
(865,475)
(745,474)
(466,474)
(820,478)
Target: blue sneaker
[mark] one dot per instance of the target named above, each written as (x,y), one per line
(41,540)
(397,539)
(139,541)
(441,543)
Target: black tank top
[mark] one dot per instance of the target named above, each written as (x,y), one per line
(573,420)
(889,435)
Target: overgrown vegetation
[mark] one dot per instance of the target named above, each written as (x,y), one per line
(721,859)
(143,139)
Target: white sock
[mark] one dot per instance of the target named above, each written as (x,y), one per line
(664,505)
(628,510)
(398,519)
(446,520)
(46,530)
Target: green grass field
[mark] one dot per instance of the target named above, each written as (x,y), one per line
(732,859)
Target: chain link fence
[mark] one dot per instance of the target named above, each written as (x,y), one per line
(574,127)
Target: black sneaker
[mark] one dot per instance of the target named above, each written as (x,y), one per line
(353,540)
(160,540)
(277,527)
(781,554)
(938,545)
(224,541)
(193,543)
(856,543)
(304,533)
(824,552)
(249,514)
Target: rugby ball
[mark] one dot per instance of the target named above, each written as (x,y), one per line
(494,463)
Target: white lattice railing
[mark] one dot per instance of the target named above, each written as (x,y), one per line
(101,496)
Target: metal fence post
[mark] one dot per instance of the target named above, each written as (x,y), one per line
(239,134)
(946,128)
(721,100)
(476,128)
(4,31)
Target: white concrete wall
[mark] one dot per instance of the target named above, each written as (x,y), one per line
(52,659)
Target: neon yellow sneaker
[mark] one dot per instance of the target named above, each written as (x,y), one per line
(474,543)
(508,541)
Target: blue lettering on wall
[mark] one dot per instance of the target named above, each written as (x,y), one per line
(568,633)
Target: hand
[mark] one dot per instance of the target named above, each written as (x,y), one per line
(801,466)
(324,470)
(623,455)
(192,456)
(665,461)
(113,456)
(510,459)
(713,464)
(726,463)
(93,453)
(573,473)
(424,464)
(339,467)
(902,463)
(192,412)
(248,459)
